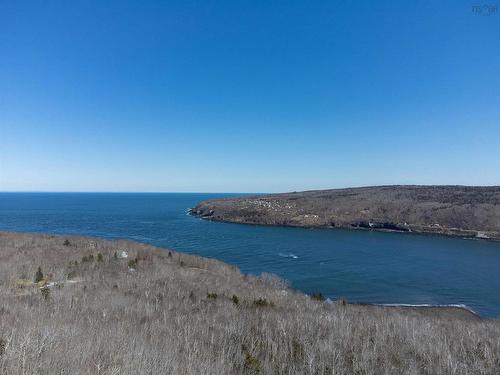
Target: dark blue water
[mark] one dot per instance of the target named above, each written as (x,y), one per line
(357,265)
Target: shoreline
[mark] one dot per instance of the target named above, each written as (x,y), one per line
(454,211)
(404,307)
(347,228)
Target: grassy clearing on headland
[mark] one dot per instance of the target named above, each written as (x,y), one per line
(94,311)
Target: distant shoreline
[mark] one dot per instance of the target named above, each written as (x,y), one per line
(456,211)
(360,229)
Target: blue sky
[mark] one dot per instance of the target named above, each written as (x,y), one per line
(247,96)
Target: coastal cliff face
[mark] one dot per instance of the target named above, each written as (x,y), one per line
(450,210)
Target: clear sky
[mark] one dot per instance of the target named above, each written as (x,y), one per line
(247,96)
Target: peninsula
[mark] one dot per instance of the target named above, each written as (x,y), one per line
(465,211)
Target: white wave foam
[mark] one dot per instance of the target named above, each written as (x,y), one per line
(457,305)
(290,255)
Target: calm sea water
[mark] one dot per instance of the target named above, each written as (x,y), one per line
(360,266)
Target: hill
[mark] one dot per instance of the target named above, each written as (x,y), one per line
(464,211)
(119,307)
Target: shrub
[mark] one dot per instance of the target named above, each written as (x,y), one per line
(262,302)
(115,255)
(170,254)
(132,263)
(235,299)
(45,293)
(252,364)
(3,345)
(212,295)
(99,257)
(88,258)
(66,242)
(297,350)
(38,275)
(318,296)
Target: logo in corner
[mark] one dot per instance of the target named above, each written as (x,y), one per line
(485,9)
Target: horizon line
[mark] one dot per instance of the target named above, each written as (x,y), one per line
(232,192)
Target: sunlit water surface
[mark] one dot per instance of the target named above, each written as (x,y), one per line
(361,266)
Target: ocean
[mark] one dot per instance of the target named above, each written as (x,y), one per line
(360,266)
